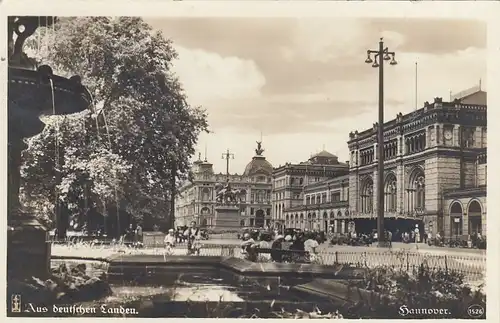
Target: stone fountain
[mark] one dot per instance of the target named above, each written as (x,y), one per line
(32,91)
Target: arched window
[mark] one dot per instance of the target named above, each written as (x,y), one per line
(475,217)
(416,192)
(367,196)
(420,189)
(205,210)
(339,214)
(390,192)
(456,219)
(205,194)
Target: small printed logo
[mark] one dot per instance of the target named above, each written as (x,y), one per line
(475,310)
(15,303)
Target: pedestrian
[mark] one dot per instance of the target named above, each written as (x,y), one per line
(138,235)
(129,236)
(417,236)
(169,243)
(389,238)
(310,247)
(276,247)
(248,247)
(192,235)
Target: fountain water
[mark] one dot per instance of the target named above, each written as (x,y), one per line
(31,92)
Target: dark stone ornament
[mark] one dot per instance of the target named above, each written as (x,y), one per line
(32,91)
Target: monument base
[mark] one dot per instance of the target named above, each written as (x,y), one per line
(227,218)
(28,249)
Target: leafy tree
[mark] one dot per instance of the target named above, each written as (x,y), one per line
(140,135)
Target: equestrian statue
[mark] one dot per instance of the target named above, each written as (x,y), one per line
(226,195)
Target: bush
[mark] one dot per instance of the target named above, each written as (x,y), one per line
(421,288)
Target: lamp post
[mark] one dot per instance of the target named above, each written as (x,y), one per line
(380,55)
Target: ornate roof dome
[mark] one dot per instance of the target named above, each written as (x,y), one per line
(326,154)
(258,164)
(324,158)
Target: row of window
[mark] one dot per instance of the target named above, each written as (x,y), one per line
(254,211)
(366,157)
(415,144)
(312,216)
(282,195)
(414,197)
(319,199)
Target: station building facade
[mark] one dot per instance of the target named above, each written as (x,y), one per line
(435,176)
(196,198)
(299,190)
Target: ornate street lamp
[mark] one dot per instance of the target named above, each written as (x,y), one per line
(380,55)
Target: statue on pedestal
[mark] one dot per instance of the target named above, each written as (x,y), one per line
(226,195)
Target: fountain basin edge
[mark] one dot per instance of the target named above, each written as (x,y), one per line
(129,267)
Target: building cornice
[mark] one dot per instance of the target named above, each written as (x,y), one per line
(437,112)
(465,192)
(470,154)
(317,207)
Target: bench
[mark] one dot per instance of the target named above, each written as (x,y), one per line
(280,255)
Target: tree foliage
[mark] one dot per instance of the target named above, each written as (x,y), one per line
(141,131)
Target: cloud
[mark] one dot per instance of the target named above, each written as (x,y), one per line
(286,116)
(208,76)
(304,83)
(434,36)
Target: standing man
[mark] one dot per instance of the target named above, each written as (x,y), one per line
(139,235)
(192,235)
(169,243)
(417,235)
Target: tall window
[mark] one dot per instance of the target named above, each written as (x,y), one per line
(367,196)
(391,194)
(416,192)
(420,189)
(468,137)
(205,194)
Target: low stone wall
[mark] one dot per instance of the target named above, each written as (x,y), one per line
(156,267)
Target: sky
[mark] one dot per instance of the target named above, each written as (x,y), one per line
(304,84)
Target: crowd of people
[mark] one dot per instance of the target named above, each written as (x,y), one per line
(292,245)
(296,246)
(192,235)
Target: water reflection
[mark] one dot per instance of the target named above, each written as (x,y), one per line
(212,286)
(214,293)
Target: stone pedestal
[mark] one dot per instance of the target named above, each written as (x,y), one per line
(227,217)
(28,249)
